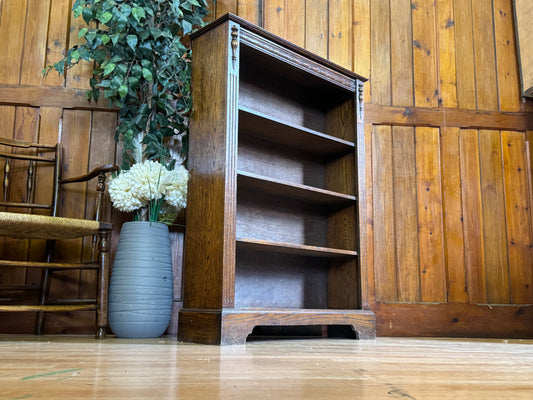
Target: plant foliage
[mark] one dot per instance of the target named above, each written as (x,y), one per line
(141,65)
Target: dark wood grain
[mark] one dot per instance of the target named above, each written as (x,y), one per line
(282,219)
(454,320)
(290,134)
(291,190)
(204,265)
(231,326)
(449,117)
(291,248)
(279,162)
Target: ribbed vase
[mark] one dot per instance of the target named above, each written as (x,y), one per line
(141,285)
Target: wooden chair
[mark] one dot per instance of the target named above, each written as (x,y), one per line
(25,215)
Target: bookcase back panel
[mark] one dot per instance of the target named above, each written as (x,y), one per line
(340,120)
(279,162)
(266,217)
(269,280)
(268,98)
(341,231)
(297,97)
(341,175)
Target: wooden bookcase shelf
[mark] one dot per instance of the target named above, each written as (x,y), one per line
(276,190)
(262,126)
(311,194)
(290,248)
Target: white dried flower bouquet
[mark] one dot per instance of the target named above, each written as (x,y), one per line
(150,190)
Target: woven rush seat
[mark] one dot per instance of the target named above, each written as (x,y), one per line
(32,226)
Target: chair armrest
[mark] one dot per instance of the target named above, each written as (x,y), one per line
(102,169)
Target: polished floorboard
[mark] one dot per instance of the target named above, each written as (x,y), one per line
(77,367)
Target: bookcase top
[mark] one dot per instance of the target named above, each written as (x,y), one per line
(278,40)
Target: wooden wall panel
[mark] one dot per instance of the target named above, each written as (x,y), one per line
(484,56)
(370,270)
(34,48)
(225,6)
(250,10)
(424,54)
(280,18)
(58,29)
(401,54)
(380,61)
(361,42)
(316,27)
(494,235)
(446,53)
(383,208)
(340,32)
(517,205)
(472,216)
(506,56)
(453,216)
(76,77)
(405,217)
(430,228)
(464,49)
(12,33)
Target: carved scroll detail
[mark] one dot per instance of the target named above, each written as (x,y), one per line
(234,44)
(360,91)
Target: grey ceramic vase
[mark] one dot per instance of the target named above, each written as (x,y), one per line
(141,286)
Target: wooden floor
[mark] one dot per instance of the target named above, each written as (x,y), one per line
(74,367)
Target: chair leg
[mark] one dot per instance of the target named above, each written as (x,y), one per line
(45,287)
(43,297)
(103,284)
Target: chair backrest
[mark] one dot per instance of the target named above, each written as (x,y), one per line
(24,164)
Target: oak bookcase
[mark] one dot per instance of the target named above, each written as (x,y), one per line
(276,160)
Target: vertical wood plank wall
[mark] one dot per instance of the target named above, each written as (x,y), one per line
(449,191)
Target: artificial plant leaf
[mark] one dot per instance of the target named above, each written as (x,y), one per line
(109,68)
(87,14)
(114,38)
(138,13)
(156,33)
(147,74)
(123,91)
(82,32)
(77,10)
(136,71)
(105,17)
(187,27)
(132,41)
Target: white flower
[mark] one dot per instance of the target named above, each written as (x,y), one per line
(123,194)
(148,177)
(146,183)
(176,187)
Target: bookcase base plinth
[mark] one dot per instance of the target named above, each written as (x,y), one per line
(232,326)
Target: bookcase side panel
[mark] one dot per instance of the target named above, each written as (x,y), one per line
(211,140)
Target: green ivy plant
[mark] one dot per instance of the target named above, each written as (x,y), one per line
(142,66)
